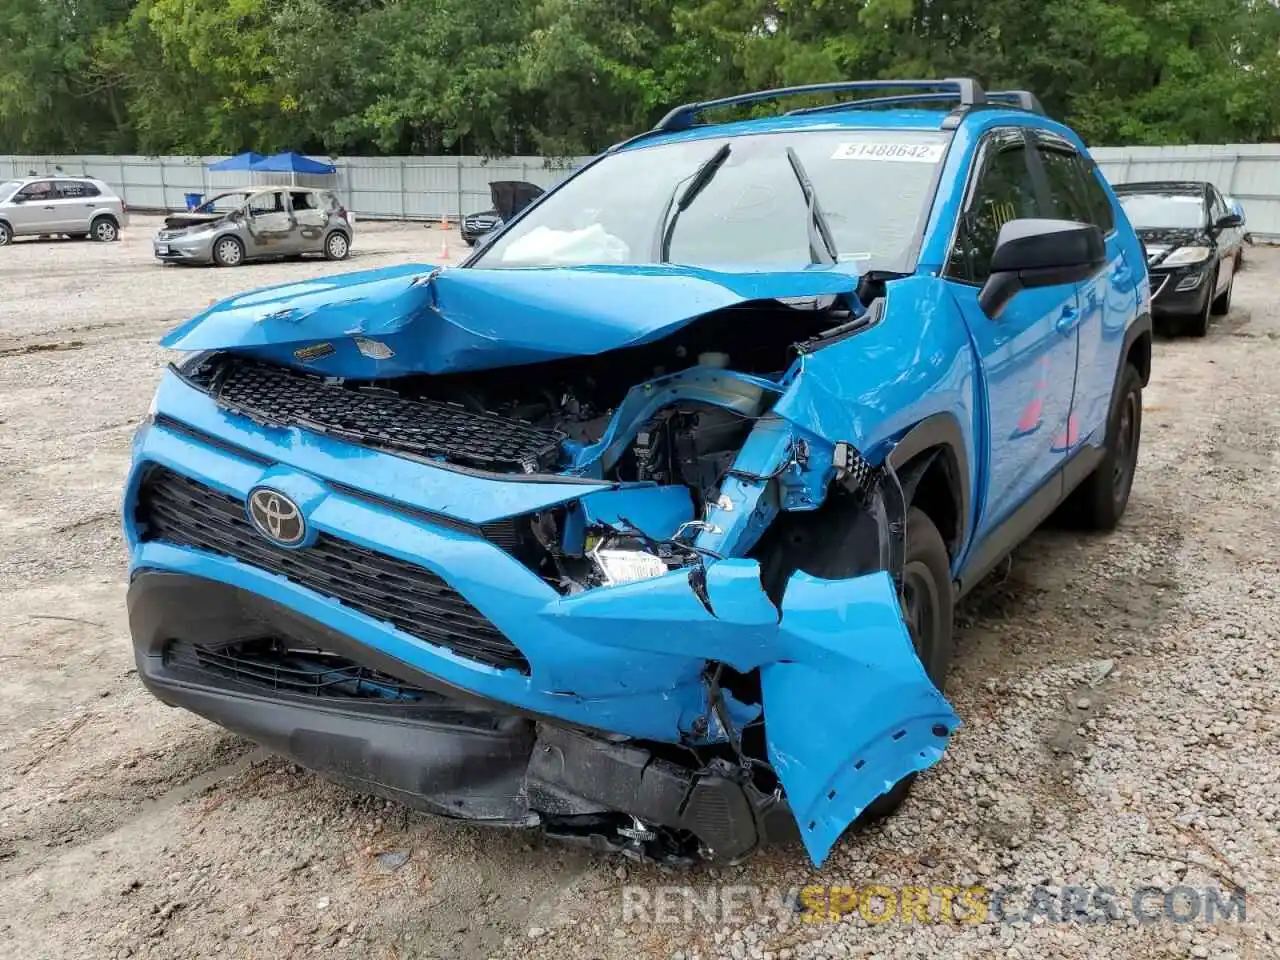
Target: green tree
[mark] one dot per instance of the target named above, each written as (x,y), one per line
(572,76)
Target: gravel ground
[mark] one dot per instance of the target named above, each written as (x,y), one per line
(1119,693)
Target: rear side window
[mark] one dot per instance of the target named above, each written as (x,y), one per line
(1074,190)
(1065,180)
(76,189)
(1004,191)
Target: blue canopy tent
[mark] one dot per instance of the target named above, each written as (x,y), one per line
(292,163)
(241,161)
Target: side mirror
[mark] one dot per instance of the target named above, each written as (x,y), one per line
(1040,253)
(18,198)
(1229,221)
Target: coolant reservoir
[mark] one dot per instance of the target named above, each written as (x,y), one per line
(713,359)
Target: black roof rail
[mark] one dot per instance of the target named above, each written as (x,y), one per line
(969,92)
(1019,98)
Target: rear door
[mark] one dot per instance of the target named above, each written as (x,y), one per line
(1028,354)
(1108,300)
(310,216)
(77,200)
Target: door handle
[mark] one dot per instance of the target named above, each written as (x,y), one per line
(49,208)
(1067,320)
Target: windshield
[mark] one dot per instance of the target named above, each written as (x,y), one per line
(873,187)
(224,202)
(1163,211)
(7,187)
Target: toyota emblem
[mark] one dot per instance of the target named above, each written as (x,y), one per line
(276,517)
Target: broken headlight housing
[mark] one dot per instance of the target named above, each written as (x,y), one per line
(623,559)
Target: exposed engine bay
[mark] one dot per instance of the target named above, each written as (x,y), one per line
(667,419)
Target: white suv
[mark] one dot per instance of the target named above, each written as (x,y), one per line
(76,206)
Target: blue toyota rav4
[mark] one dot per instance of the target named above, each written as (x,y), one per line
(644,527)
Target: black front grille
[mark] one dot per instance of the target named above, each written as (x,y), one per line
(275,664)
(378,417)
(176,509)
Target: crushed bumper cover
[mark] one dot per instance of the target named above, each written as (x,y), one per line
(449,753)
(848,711)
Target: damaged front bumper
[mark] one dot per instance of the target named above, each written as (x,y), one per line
(687,714)
(434,747)
(840,729)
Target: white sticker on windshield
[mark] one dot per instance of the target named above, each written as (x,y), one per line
(899,152)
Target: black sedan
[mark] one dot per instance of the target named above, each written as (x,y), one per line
(1191,238)
(509,198)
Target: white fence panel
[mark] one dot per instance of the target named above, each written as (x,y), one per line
(428,188)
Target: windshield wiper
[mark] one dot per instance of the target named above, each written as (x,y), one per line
(822,246)
(697,183)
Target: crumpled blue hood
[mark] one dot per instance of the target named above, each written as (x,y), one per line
(442,321)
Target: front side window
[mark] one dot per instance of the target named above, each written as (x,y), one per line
(40,190)
(266,203)
(1164,211)
(1218,207)
(302,200)
(1004,192)
(223,202)
(874,187)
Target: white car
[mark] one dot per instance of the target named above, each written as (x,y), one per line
(76,206)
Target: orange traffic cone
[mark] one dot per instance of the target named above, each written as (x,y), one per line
(444,222)
(444,248)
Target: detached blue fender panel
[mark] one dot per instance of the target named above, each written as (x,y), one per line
(851,711)
(849,708)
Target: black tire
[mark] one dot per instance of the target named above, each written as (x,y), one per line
(79,236)
(929,607)
(337,246)
(1198,326)
(1222,305)
(6,234)
(228,252)
(104,229)
(1099,502)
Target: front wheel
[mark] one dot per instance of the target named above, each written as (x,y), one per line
(228,252)
(5,234)
(928,607)
(1222,305)
(1198,326)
